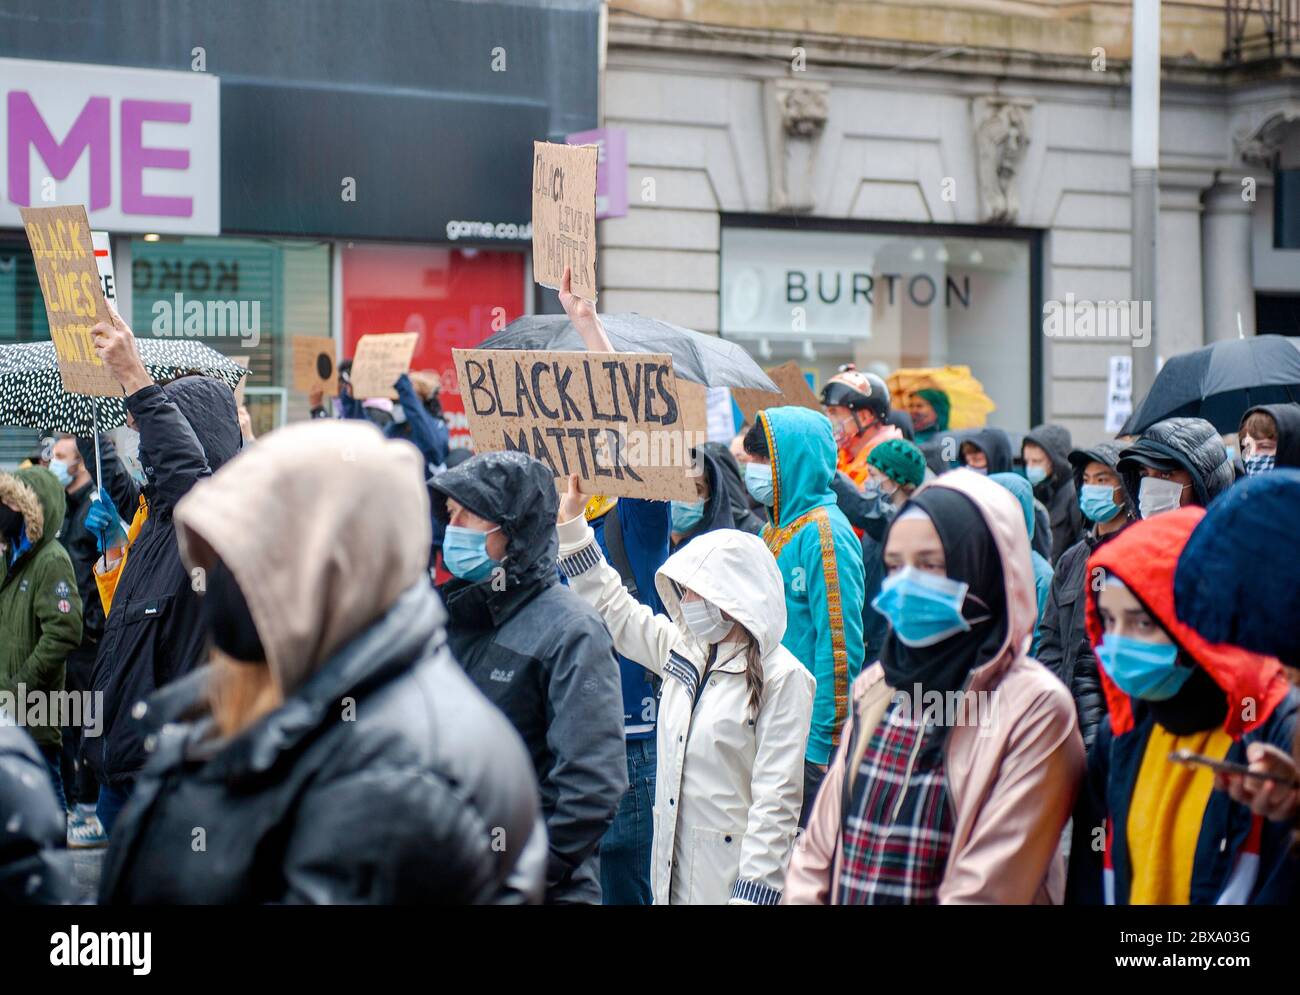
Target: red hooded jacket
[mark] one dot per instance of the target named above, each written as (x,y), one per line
(1144,556)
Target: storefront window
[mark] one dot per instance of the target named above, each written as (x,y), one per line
(242,297)
(454,298)
(884,301)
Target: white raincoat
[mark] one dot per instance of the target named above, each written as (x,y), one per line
(729,785)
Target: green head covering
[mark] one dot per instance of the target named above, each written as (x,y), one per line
(939,401)
(899,460)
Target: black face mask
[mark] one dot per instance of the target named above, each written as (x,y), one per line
(228,617)
(1200,704)
(11,523)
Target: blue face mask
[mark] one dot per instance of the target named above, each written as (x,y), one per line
(1143,670)
(464,552)
(60,470)
(1035,474)
(758,481)
(1097,501)
(687,516)
(923,608)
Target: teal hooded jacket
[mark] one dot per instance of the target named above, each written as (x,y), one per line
(1023,491)
(820,558)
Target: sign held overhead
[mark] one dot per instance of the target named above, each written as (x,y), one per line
(74,296)
(794,391)
(379,361)
(564,216)
(313,364)
(613,418)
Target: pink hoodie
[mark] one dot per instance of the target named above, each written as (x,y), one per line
(1012,777)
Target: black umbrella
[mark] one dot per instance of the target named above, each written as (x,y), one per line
(704,359)
(32,395)
(1221,382)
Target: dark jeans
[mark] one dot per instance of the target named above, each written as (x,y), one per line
(77,776)
(812,780)
(52,755)
(625,848)
(112,798)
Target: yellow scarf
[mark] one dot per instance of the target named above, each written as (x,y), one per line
(1165,814)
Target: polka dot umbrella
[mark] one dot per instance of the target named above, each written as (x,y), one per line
(32,394)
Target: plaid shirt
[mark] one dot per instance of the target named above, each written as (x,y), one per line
(898,826)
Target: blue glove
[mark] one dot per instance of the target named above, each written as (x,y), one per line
(103,522)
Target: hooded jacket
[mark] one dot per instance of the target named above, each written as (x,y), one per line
(383,777)
(821,560)
(742,514)
(717,506)
(1011,779)
(35,868)
(729,783)
(1287,419)
(1240,858)
(40,608)
(544,657)
(155,630)
(1064,648)
(995,444)
(1193,444)
(1023,492)
(1058,491)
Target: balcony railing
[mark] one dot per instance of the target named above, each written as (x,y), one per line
(1261,29)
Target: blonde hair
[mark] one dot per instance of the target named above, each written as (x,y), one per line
(240,693)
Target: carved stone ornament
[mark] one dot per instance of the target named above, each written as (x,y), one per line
(804,109)
(796,117)
(1001,129)
(1258,141)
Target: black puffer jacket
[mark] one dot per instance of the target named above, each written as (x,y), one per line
(154,632)
(1287,419)
(424,796)
(1064,648)
(544,657)
(33,870)
(1058,492)
(1193,444)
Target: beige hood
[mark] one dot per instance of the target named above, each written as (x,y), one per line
(323,524)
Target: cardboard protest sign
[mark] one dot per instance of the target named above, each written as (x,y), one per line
(104,263)
(794,391)
(313,364)
(613,418)
(379,361)
(243,381)
(74,297)
(564,216)
(693,398)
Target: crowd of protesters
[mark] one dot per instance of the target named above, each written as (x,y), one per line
(875,661)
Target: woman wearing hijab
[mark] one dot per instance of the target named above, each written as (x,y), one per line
(332,751)
(734,712)
(961,757)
